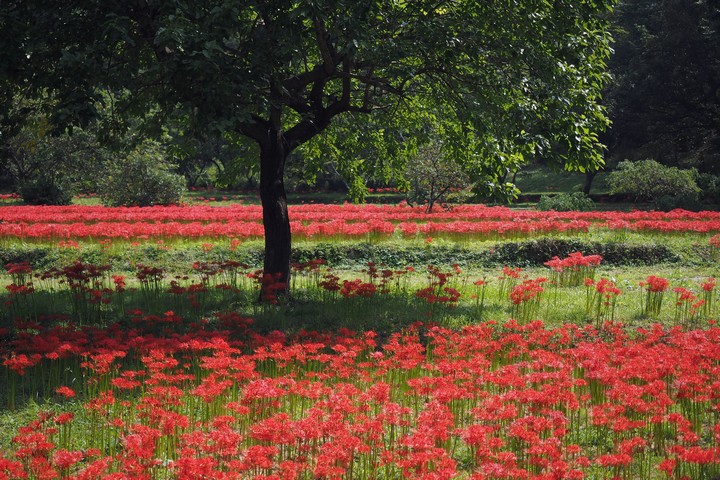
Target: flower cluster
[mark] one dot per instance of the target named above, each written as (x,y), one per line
(601,299)
(69,223)
(574,269)
(440,288)
(488,401)
(655,288)
(525,299)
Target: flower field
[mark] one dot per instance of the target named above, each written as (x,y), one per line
(572,369)
(332,221)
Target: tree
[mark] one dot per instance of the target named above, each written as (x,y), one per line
(664,100)
(650,181)
(40,163)
(516,78)
(144,178)
(434,179)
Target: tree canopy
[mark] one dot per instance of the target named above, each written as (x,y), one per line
(664,100)
(500,81)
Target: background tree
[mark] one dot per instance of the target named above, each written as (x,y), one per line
(664,100)
(224,161)
(434,179)
(48,169)
(516,79)
(143,178)
(650,181)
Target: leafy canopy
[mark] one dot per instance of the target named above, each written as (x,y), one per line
(649,181)
(500,81)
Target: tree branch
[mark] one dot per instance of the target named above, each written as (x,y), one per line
(325,53)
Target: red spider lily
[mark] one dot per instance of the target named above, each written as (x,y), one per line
(601,299)
(66,392)
(20,268)
(489,400)
(655,287)
(119,281)
(438,290)
(708,293)
(508,280)
(20,363)
(687,306)
(525,298)
(357,288)
(243,221)
(714,241)
(574,269)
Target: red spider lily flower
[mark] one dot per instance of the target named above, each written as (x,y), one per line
(715,241)
(119,281)
(655,284)
(511,272)
(20,268)
(64,418)
(20,363)
(64,459)
(668,466)
(709,284)
(66,392)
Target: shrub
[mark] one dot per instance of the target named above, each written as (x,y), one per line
(650,181)
(143,178)
(709,184)
(671,202)
(46,190)
(537,252)
(435,179)
(566,202)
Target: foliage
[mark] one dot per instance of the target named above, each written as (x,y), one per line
(38,156)
(566,202)
(435,179)
(664,97)
(142,179)
(650,181)
(225,161)
(709,185)
(505,81)
(46,189)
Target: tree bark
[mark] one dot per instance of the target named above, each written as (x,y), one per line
(276,279)
(589,177)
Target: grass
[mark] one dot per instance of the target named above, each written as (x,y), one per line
(315,309)
(545,181)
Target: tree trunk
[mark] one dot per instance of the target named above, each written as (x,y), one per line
(589,177)
(276,268)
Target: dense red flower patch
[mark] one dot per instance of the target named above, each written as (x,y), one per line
(159,395)
(331,220)
(490,401)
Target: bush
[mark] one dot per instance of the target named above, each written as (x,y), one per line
(537,252)
(143,178)
(710,185)
(566,202)
(46,190)
(435,179)
(650,181)
(671,202)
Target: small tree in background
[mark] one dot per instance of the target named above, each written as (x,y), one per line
(142,179)
(435,179)
(650,181)
(46,168)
